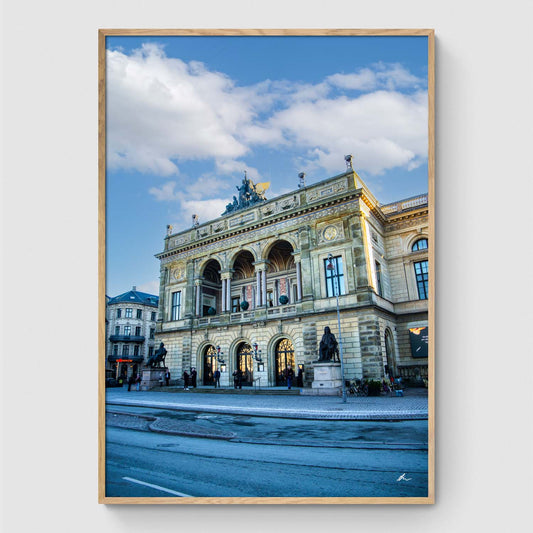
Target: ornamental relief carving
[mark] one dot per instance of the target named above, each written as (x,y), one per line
(261,233)
(330,190)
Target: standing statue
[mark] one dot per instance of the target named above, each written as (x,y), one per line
(158,357)
(329,347)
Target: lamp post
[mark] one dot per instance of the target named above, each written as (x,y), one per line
(331,266)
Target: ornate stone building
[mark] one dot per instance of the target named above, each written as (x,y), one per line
(255,288)
(131,320)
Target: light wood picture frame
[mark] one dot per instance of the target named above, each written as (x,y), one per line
(382,308)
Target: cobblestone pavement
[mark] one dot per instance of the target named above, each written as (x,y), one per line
(412,406)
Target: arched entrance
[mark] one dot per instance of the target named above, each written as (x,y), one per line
(245,362)
(389,351)
(210,364)
(284,358)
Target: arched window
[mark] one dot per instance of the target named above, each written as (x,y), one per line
(420,244)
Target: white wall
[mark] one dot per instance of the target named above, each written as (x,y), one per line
(484,112)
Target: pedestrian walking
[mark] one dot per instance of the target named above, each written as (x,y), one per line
(186,380)
(216,377)
(131,381)
(138,382)
(193,377)
(300,378)
(167,377)
(289,374)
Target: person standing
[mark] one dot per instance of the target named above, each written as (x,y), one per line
(216,377)
(185,380)
(131,381)
(138,382)
(193,377)
(290,376)
(300,378)
(167,377)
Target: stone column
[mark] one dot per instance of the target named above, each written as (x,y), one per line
(299,279)
(228,294)
(264,294)
(198,283)
(258,289)
(223,295)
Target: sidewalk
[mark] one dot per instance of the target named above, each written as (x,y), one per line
(412,406)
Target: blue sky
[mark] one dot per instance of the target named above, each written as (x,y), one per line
(187,115)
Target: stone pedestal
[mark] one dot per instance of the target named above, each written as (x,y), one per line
(152,377)
(327,380)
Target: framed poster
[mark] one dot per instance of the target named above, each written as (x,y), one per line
(266,212)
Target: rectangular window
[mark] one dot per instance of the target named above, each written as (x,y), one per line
(378,279)
(136,350)
(152,333)
(129,313)
(125,350)
(235,303)
(421,273)
(150,351)
(334,276)
(139,313)
(117,330)
(153,316)
(115,349)
(138,331)
(119,313)
(127,330)
(175,312)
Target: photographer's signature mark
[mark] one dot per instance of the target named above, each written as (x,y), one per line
(403,478)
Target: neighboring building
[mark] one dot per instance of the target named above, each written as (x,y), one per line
(260,275)
(130,331)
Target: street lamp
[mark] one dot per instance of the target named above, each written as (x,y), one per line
(331,266)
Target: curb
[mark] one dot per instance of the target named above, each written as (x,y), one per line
(374,415)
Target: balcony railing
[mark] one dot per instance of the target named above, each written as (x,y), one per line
(405,205)
(127,338)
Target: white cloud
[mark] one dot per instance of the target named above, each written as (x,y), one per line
(382,76)
(162,109)
(381,129)
(205,209)
(150,287)
(163,112)
(166,193)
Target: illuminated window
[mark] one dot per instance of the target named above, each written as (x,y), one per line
(334,276)
(421,273)
(129,313)
(420,244)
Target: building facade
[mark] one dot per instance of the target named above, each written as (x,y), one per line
(131,320)
(255,288)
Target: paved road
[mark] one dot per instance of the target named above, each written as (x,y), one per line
(262,457)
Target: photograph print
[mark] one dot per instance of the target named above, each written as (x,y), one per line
(266,266)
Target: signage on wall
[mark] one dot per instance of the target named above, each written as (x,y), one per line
(419,341)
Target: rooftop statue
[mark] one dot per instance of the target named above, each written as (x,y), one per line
(249,194)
